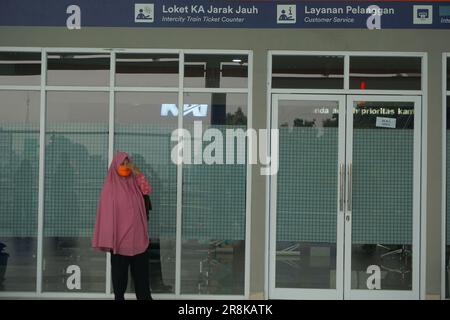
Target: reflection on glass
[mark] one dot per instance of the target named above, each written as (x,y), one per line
(143,132)
(78,69)
(75,168)
(141,70)
(447,241)
(382,194)
(308,72)
(307,194)
(19,170)
(385,73)
(20,68)
(214,198)
(215,71)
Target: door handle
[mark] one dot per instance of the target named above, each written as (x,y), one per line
(349,188)
(341,187)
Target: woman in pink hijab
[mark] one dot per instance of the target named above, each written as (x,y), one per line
(121,226)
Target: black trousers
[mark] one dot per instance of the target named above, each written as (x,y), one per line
(139,267)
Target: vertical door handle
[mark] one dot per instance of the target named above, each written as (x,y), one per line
(349,188)
(341,187)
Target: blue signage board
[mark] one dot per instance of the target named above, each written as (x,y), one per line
(76,14)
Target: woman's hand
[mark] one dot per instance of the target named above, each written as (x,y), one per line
(133,168)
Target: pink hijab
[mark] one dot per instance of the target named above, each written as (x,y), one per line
(121,224)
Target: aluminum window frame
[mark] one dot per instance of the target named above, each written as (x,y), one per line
(43,88)
(346,91)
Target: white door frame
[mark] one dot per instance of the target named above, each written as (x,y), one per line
(292,293)
(386,294)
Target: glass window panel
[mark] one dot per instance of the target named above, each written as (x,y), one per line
(382,197)
(307,194)
(143,129)
(19,174)
(147,70)
(447,243)
(214,197)
(78,69)
(385,73)
(215,71)
(448,74)
(308,72)
(76,160)
(20,68)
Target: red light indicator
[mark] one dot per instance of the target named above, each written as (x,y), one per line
(362,85)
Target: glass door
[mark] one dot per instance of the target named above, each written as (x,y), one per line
(307,200)
(382,214)
(345,203)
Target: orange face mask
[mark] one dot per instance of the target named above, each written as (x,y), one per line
(123,171)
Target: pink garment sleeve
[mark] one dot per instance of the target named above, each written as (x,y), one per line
(143,184)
